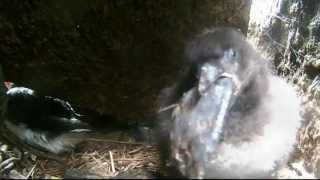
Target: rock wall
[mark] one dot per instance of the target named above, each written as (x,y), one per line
(288,32)
(112,56)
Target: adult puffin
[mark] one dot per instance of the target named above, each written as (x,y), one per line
(46,124)
(49,126)
(230,116)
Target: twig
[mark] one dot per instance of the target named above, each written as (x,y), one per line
(32,171)
(129,159)
(135,150)
(167,108)
(114,141)
(112,162)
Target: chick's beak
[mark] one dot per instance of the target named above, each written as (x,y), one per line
(218,91)
(210,75)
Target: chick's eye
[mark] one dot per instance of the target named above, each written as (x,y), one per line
(231,55)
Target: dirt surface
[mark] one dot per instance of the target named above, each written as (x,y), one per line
(94,159)
(113,156)
(111,56)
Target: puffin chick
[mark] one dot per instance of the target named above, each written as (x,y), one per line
(231,116)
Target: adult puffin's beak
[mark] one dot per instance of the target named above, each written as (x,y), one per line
(8,84)
(4,88)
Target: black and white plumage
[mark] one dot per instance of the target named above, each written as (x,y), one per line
(45,123)
(232,118)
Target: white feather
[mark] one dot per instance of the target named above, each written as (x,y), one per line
(55,145)
(259,157)
(20,90)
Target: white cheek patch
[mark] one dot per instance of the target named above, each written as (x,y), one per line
(20,90)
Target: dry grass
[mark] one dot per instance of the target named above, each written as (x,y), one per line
(100,158)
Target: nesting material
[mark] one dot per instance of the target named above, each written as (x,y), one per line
(103,159)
